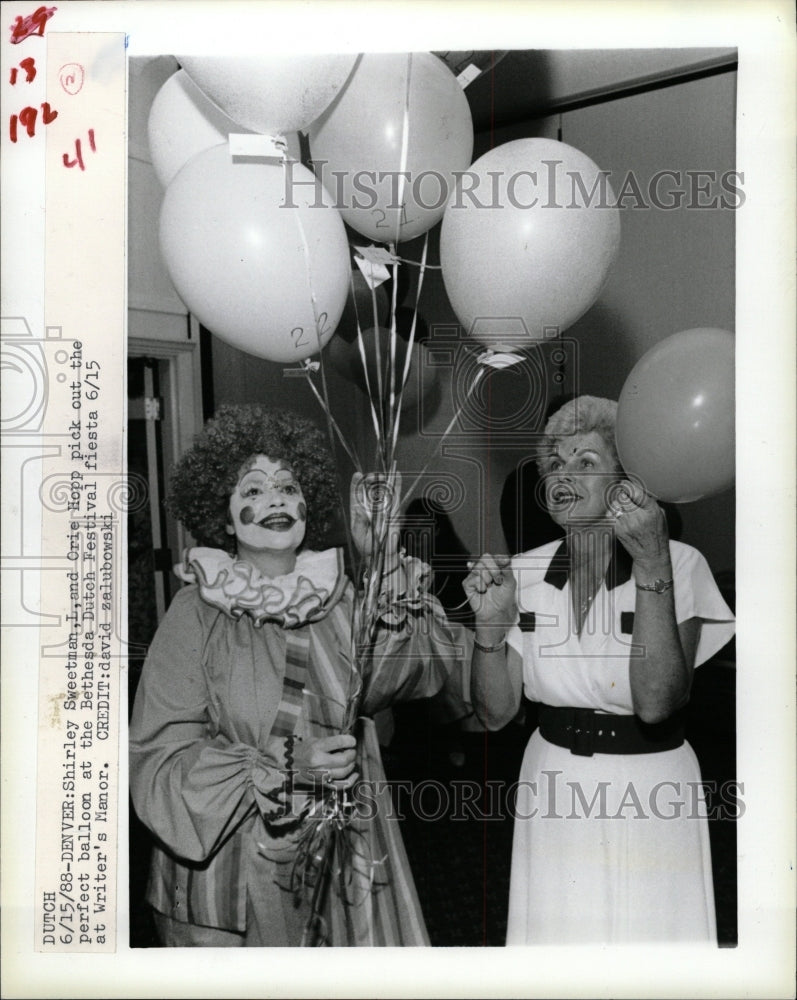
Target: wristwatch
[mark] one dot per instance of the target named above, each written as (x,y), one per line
(658,586)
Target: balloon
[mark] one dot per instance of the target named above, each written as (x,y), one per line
(183,122)
(249,269)
(346,359)
(361,135)
(528,241)
(675,416)
(272,94)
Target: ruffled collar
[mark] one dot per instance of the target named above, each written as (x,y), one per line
(238,588)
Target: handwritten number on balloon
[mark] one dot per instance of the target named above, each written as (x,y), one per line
(380,224)
(298,337)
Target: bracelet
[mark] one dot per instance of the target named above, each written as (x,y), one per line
(489,649)
(658,586)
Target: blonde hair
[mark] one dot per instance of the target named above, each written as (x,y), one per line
(581,415)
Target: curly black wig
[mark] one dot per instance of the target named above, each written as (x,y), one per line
(207,473)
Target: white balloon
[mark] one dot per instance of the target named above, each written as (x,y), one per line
(268,279)
(528,246)
(360,146)
(270,94)
(183,122)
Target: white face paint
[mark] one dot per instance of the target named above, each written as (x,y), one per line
(579,475)
(267,508)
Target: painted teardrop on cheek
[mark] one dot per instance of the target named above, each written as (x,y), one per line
(301,511)
(247,515)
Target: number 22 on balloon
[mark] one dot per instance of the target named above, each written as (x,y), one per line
(300,337)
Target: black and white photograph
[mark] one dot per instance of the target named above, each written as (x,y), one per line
(592,260)
(437,494)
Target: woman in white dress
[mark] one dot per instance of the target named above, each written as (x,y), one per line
(603,629)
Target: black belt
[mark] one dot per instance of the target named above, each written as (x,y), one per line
(585,732)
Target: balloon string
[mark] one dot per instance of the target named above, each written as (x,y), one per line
(311,289)
(416,263)
(375,415)
(408,355)
(392,416)
(350,451)
(446,432)
(405,139)
(392,362)
(332,426)
(306,253)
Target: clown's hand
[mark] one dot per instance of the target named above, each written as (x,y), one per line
(374,504)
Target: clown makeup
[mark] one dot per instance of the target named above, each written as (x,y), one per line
(268,512)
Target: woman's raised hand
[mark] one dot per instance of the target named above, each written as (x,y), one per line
(490,588)
(329,759)
(640,525)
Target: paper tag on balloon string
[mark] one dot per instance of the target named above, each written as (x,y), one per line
(468,75)
(499,358)
(374,274)
(251,144)
(307,367)
(377,255)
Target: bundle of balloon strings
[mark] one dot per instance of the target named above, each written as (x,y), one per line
(342,852)
(334,851)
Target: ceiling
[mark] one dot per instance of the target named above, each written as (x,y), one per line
(522,84)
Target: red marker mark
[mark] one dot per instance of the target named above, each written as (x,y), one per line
(27,119)
(33,24)
(71,77)
(78,160)
(29,65)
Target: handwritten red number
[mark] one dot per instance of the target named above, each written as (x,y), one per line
(29,65)
(27,119)
(33,24)
(78,160)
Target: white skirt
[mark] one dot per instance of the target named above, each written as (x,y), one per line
(610,848)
